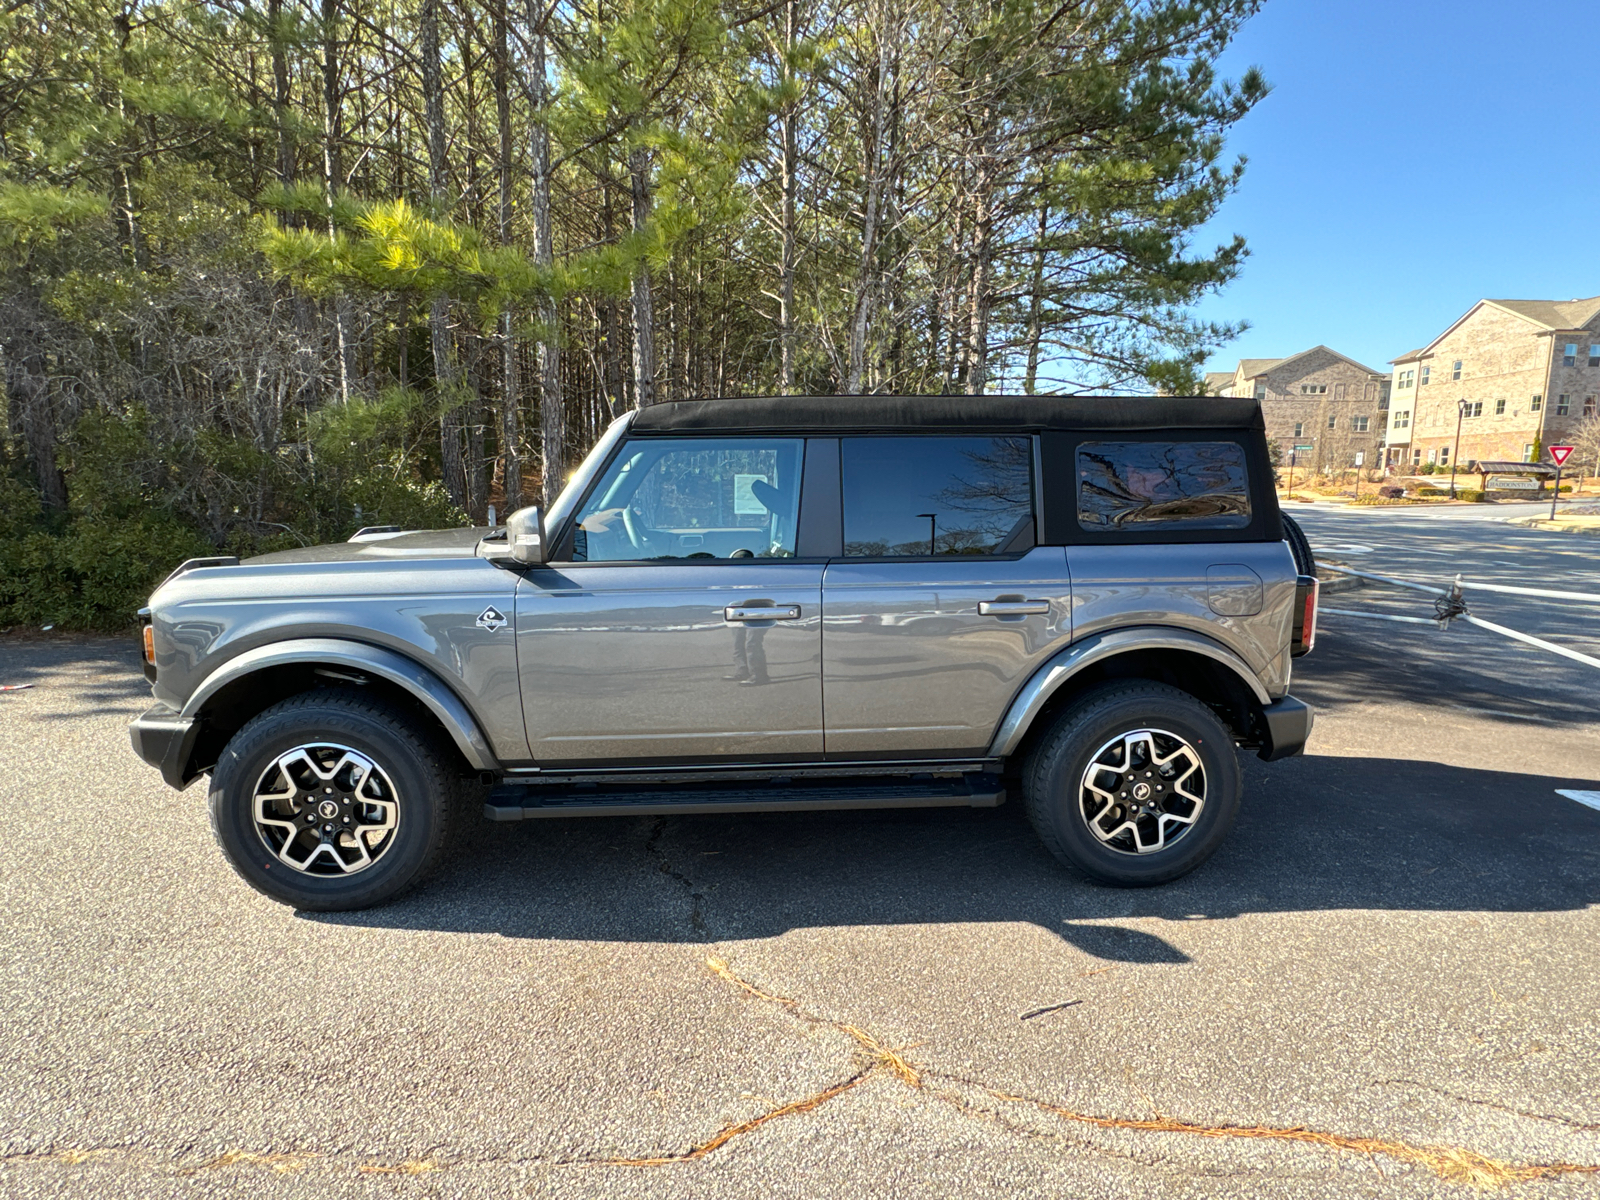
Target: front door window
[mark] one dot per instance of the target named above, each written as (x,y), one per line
(705,498)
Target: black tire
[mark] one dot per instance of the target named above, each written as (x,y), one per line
(1305,562)
(1054,773)
(411,764)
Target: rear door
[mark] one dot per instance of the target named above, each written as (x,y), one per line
(941,605)
(681,624)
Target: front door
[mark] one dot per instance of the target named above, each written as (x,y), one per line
(942,606)
(680,626)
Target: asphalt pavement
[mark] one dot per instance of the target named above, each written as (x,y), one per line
(1384,984)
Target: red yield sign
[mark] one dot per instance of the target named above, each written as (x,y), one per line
(1560,454)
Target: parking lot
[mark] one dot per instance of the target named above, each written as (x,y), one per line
(1384,984)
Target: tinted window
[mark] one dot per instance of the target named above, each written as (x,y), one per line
(693,498)
(937,495)
(1187,485)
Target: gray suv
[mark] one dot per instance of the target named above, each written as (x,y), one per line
(750,605)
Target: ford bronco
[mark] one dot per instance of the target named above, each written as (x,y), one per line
(745,605)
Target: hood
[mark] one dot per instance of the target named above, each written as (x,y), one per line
(386,547)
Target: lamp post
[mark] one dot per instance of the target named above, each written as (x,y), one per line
(933,526)
(1461,411)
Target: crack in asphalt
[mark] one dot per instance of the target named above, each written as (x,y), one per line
(1455,1164)
(652,847)
(1554,1119)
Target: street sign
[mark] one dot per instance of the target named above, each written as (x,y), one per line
(1561,454)
(1305,449)
(1361,457)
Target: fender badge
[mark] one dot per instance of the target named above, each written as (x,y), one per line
(491,619)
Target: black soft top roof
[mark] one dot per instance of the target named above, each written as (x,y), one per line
(910,414)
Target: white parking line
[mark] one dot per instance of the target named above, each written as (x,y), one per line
(1590,799)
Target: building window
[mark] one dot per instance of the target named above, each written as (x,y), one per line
(1536,403)
(1527,451)
(1299,429)
(1588,406)
(1333,422)
(1594,354)
(1313,389)
(1416,457)
(1569,356)
(1499,408)
(1358,424)
(1407,378)
(1444,456)
(1261,391)
(1472,408)
(1563,405)
(1402,419)
(1425,371)
(1455,369)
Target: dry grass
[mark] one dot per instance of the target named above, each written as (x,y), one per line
(411,1166)
(1454,1163)
(282,1164)
(728,1132)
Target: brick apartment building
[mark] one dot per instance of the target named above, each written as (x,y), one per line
(1316,398)
(1517,374)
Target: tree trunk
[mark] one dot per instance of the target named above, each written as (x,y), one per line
(510,384)
(280,93)
(978,310)
(866,280)
(332,172)
(31,393)
(789,182)
(446,379)
(552,412)
(644,345)
(1030,380)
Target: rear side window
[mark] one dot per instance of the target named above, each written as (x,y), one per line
(933,496)
(1162,485)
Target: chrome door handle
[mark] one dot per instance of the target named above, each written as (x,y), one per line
(756,612)
(1013,608)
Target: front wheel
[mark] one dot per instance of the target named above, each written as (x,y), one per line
(1136,784)
(331,801)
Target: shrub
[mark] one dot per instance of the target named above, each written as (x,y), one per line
(1432,491)
(1391,492)
(1471,495)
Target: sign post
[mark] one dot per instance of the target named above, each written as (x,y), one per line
(1560,454)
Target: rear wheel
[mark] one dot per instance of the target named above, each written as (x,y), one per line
(332,801)
(1136,784)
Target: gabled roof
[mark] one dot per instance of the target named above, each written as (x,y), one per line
(1260,366)
(1546,315)
(1217,380)
(1410,356)
(1552,314)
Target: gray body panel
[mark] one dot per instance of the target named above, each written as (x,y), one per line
(638,663)
(411,599)
(1180,586)
(911,666)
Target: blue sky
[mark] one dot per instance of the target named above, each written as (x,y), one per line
(1414,157)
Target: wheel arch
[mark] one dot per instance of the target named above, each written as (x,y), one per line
(1195,664)
(259,678)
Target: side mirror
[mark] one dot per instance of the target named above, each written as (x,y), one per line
(525,535)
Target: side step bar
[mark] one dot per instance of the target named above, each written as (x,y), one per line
(513,802)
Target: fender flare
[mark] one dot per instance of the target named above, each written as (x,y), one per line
(1048,679)
(396,668)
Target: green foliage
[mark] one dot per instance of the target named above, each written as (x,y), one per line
(1471,495)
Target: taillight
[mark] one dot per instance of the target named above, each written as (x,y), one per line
(1304,636)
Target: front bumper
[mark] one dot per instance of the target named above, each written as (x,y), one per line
(1286,726)
(165,738)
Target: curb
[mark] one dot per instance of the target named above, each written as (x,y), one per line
(1556,526)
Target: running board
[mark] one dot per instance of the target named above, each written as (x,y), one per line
(512,802)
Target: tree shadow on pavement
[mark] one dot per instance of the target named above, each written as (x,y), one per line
(1315,833)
